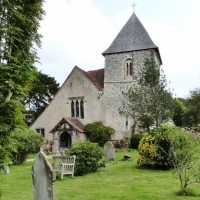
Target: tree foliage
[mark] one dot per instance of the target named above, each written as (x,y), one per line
(192,106)
(19,23)
(97,132)
(148,101)
(43,90)
(179,112)
(25,141)
(184,157)
(89,157)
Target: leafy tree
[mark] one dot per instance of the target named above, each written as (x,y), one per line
(179,112)
(184,157)
(148,101)
(97,132)
(25,141)
(43,90)
(19,23)
(192,106)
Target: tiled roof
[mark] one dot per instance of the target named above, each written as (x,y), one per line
(73,121)
(96,76)
(132,37)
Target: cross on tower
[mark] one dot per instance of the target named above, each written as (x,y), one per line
(134,7)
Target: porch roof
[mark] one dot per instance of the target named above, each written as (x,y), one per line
(73,121)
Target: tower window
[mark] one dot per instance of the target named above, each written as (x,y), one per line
(126,123)
(128,67)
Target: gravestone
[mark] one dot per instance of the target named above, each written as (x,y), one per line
(43,178)
(109,151)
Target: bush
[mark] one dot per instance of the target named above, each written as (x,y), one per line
(89,157)
(25,141)
(97,132)
(154,147)
(135,139)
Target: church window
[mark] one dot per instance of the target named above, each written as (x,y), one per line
(131,69)
(82,109)
(128,67)
(41,131)
(72,109)
(126,123)
(77,108)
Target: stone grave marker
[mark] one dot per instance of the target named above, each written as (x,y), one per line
(43,178)
(109,151)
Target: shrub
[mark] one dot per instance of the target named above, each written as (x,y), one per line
(89,157)
(97,132)
(25,141)
(135,139)
(154,148)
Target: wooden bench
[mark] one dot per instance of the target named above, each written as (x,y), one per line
(64,164)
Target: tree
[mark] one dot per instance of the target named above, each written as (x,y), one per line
(184,157)
(19,23)
(25,141)
(179,112)
(43,90)
(192,106)
(148,100)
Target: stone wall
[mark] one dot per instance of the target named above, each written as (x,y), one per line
(117,81)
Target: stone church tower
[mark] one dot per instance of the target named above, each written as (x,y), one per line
(123,59)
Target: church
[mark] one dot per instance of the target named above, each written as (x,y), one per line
(86,97)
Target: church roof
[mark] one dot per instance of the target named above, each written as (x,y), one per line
(96,76)
(73,121)
(132,37)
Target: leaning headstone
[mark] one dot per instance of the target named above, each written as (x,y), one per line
(43,178)
(109,151)
(4,169)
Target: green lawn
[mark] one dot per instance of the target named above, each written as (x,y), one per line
(119,180)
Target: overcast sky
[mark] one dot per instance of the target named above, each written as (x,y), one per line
(76,32)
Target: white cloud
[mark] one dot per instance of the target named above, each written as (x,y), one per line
(76,33)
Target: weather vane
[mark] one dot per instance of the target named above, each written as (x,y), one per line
(134,7)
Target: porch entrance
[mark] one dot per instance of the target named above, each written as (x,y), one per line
(65,140)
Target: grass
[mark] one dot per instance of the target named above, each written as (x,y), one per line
(119,180)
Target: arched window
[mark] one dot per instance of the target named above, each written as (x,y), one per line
(128,68)
(77,108)
(131,68)
(82,109)
(72,109)
(126,123)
